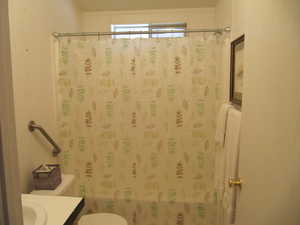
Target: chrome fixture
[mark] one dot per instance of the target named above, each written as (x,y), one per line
(33,126)
(219,31)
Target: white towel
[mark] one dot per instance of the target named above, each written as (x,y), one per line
(232,144)
(221,124)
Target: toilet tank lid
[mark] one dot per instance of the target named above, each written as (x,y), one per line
(66,181)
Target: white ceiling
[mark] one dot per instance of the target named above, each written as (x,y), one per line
(109,5)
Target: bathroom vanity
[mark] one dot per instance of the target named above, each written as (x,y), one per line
(50,210)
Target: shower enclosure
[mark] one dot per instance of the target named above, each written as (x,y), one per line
(136,121)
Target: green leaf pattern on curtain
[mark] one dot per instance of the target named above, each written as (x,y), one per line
(136,122)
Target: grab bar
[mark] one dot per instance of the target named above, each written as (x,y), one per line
(32,126)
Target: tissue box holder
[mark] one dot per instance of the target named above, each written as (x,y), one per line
(47,180)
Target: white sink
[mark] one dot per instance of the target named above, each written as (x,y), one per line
(33,213)
(49,210)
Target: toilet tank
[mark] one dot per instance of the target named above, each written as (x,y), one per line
(64,189)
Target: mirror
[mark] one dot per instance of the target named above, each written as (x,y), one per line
(237,70)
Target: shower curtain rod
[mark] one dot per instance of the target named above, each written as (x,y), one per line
(220,31)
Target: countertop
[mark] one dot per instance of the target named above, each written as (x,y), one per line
(60,210)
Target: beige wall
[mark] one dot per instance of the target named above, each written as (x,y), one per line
(31,24)
(271,121)
(101,21)
(117,5)
(231,13)
(270,143)
(9,180)
(223,13)
(238,17)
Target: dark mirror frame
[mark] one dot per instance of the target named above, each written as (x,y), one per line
(232,70)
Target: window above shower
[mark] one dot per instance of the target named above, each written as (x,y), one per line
(153,27)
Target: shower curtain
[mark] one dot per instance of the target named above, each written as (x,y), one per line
(136,122)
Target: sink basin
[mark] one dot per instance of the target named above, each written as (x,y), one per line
(33,213)
(50,210)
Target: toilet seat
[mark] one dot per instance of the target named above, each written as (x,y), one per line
(102,219)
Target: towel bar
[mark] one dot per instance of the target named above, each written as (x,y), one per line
(32,126)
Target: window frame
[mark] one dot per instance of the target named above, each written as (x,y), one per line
(151,27)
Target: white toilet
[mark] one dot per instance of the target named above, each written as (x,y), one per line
(102,219)
(65,189)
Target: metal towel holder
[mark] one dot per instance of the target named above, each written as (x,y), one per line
(33,126)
